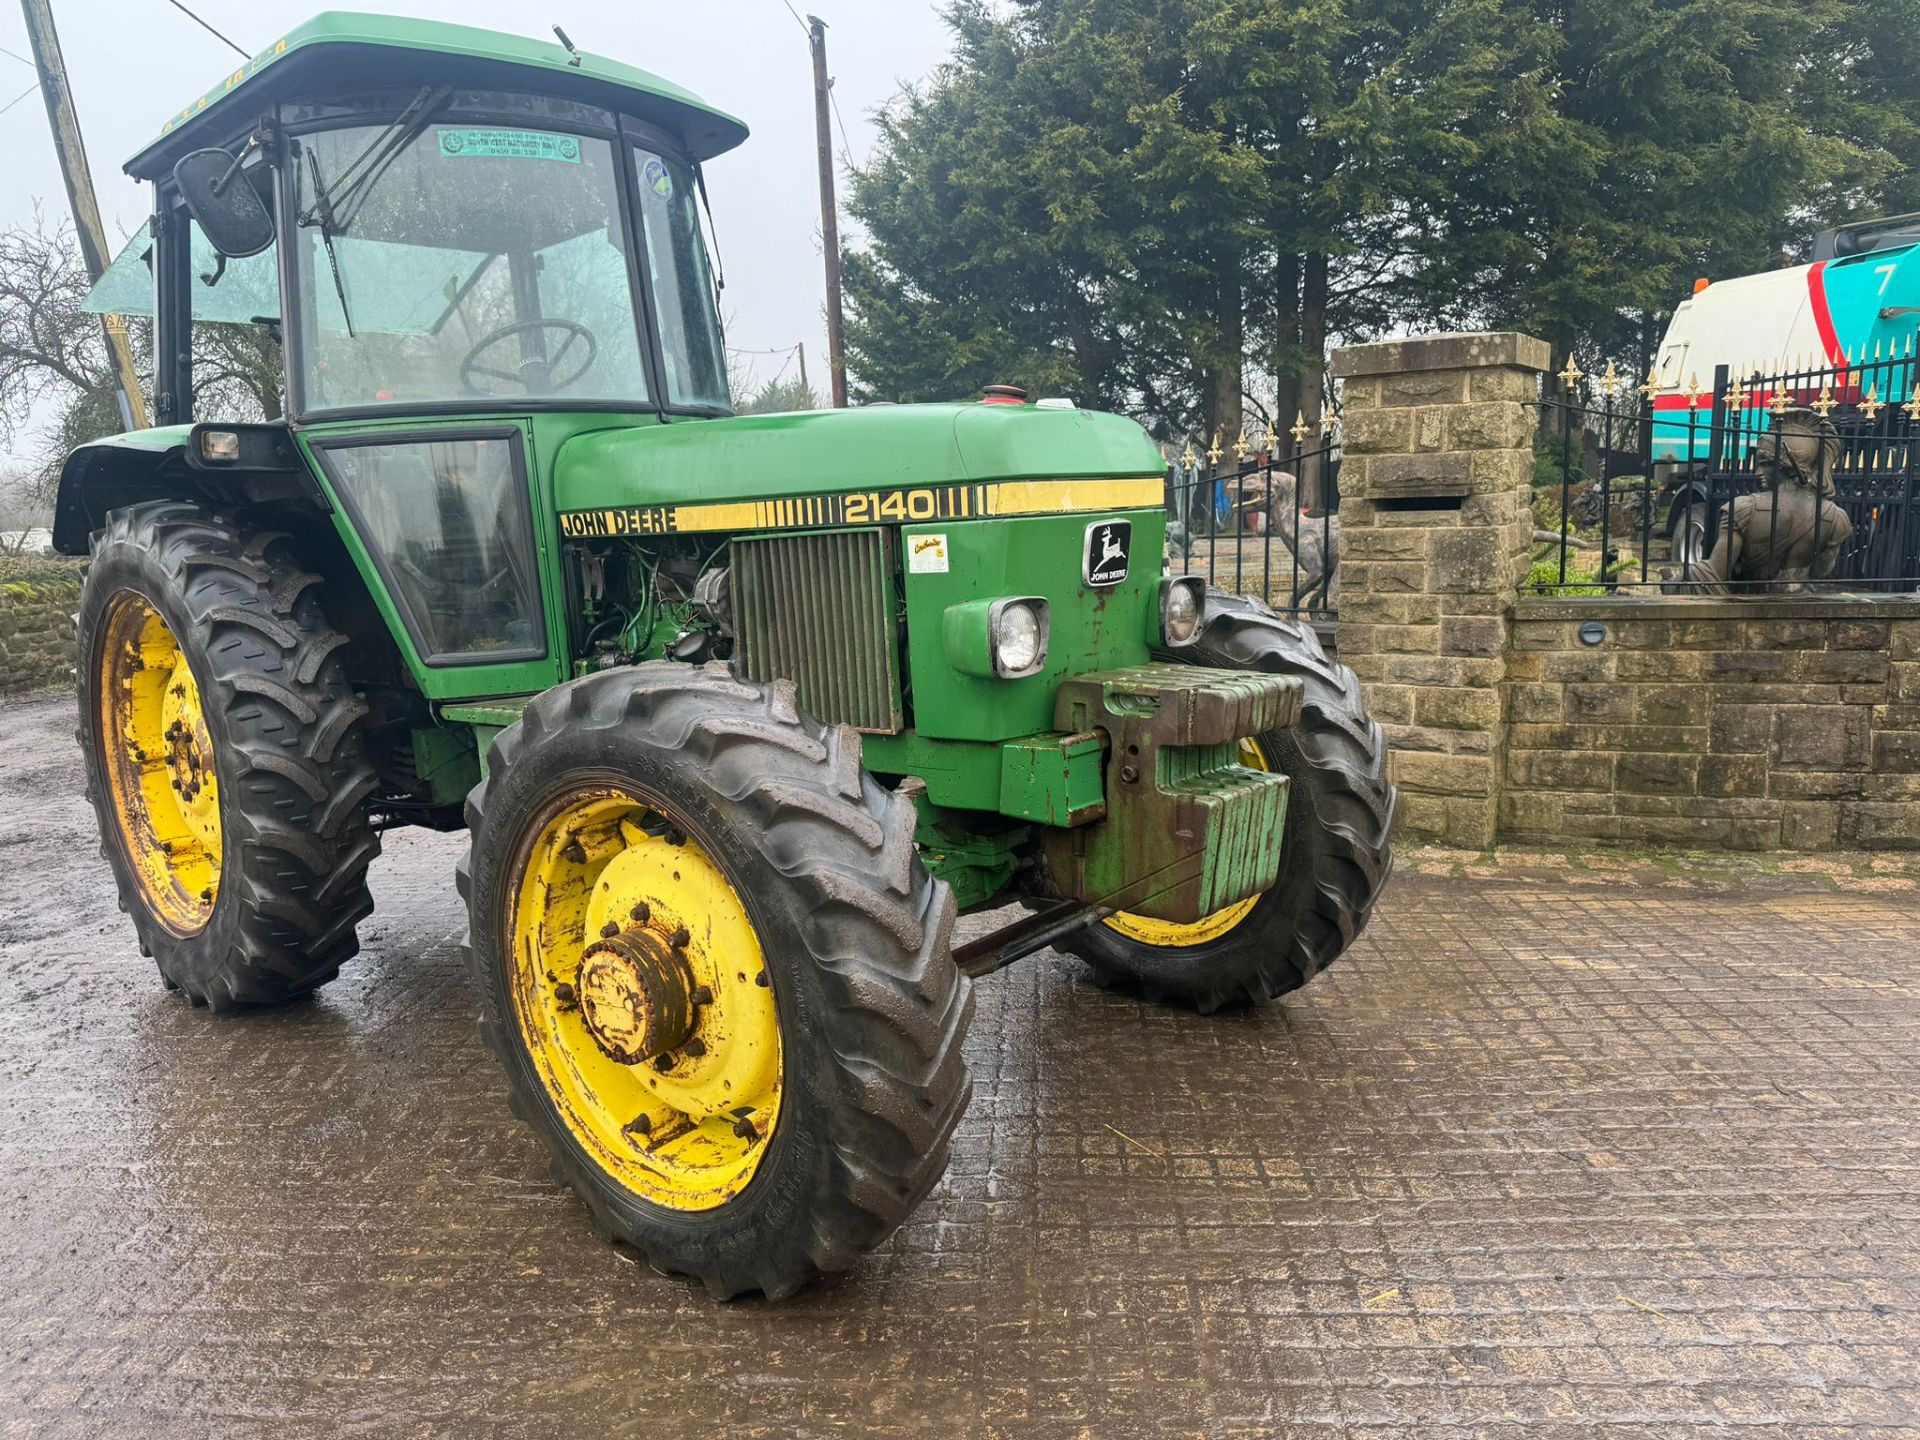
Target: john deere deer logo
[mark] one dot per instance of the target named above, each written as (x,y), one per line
(1106,552)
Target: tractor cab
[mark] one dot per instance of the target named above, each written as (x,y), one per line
(424,226)
(428,256)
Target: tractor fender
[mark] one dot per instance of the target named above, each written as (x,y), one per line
(266,472)
(120,470)
(268,487)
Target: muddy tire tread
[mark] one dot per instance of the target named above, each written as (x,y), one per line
(1344,828)
(878,931)
(293,775)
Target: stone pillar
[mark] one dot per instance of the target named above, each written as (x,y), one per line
(1436,524)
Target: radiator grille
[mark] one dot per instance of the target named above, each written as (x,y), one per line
(818,610)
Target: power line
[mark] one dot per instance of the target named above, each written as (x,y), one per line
(209,29)
(18,98)
(21,58)
(846,145)
(796,18)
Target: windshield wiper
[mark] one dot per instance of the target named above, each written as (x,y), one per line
(333,210)
(322,215)
(363,172)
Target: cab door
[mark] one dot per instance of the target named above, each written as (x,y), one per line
(440,519)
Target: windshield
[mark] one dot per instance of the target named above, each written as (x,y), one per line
(472,262)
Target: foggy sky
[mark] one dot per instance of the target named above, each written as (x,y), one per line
(134,62)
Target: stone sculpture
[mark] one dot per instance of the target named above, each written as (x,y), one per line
(1788,532)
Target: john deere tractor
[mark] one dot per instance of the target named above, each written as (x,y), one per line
(740,713)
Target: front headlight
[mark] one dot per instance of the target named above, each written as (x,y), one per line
(1182,601)
(1017,634)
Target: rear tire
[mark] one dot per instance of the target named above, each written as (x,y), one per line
(870,1011)
(273,914)
(1338,850)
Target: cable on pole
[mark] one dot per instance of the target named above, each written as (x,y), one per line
(209,29)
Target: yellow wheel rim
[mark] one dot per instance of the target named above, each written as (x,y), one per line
(628,939)
(159,765)
(1175,936)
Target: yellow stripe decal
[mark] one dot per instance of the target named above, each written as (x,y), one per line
(871,507)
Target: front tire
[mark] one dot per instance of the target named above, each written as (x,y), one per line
(1338,847)
(223,753)
(717,974)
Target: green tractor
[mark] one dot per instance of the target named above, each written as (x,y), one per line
(741,712)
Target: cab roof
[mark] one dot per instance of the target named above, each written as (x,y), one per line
(339,52)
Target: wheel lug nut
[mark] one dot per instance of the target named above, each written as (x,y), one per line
(639,1125)
(565,993)
(680,938)
(207,894)
(702,995)
(663,1063)
(609,930)
(761,980)
(574,854)
(641,913)
(743,1127)
(696,1047)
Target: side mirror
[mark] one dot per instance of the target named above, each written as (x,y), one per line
(224,203)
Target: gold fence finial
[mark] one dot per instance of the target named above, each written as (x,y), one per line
(1652,387)
(1737,397)
(1871,406)
(1214,454)
(1826,404)
(1573,374)
(1694,393)
(1300,429)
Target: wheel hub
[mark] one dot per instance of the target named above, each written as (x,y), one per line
(159,764)
(636,996)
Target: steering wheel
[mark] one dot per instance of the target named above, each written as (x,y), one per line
(533,374)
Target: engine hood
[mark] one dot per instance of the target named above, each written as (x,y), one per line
(829,452)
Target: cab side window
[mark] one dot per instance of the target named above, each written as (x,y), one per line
(447,521)
(238,372)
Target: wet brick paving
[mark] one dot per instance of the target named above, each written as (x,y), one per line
(1538,1159)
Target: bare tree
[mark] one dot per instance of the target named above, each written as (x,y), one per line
(53,361)
(51,352)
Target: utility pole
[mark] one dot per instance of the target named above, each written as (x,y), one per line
(802,347)
(86,210)
(829,210)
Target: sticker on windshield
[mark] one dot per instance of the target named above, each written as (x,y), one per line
(659,179)
(510,145)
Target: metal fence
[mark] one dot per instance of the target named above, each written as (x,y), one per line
(1266,525)
(1645,481)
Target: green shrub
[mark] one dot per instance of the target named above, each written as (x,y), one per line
(40,570)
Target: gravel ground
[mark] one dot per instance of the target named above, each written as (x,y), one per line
(1560,1146)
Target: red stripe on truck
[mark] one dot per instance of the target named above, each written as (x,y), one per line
(1823,318)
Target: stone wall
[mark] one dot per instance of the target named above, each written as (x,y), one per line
(37,602)
(1785,723)
(1435,492)
(1769,724)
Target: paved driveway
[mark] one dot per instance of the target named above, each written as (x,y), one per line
(1542,1155)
